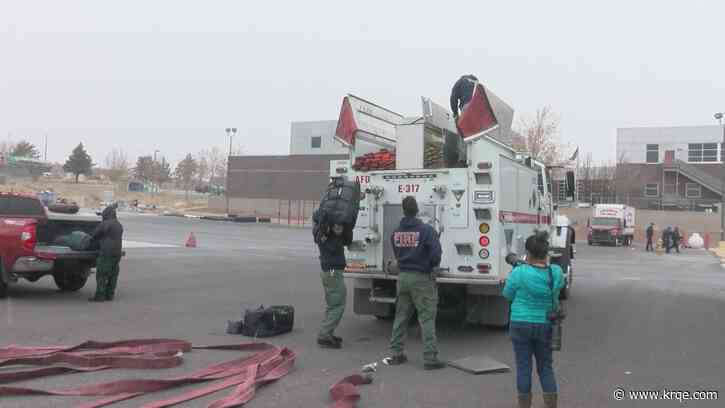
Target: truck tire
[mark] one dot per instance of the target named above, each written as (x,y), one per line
(3,285)
(71,277)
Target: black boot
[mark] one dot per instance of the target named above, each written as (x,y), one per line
(435,365)
(328,342)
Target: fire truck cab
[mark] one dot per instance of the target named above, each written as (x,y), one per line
(482,198)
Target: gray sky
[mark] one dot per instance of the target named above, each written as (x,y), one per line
(171,75)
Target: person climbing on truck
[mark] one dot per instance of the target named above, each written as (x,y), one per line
(462,93)
(109,235)
(418,252)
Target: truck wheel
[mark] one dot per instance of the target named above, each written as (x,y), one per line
(71,279)
(3,285)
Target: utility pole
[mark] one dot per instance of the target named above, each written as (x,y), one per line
(45,154)
(231,132)
(154,177)
(719,116)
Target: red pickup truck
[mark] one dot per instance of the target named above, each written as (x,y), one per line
(27,249)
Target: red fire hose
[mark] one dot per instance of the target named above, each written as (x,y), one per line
(345,393)
(268,364)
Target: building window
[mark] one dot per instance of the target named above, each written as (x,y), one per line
(653,153)
(316,142)
(562,190)
(702,152)
(693,190)
(652,190)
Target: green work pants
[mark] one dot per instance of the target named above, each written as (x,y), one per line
(416,292)
(335,296)
(106,276)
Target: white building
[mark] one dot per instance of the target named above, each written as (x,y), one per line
(691,144)
(314,138)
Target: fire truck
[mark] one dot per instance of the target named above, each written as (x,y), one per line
(481,197)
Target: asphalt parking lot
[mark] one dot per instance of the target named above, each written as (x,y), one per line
(636,321)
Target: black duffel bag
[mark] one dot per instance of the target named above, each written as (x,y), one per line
(268,321)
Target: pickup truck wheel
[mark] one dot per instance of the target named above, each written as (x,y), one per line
(71,278)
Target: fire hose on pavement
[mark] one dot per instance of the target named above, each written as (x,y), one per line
(268,364)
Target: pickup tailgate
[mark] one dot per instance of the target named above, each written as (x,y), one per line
(57,252)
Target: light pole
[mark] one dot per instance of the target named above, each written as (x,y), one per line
(718,117)
(231,132)
(153,174)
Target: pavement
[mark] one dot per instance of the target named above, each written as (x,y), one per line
(637,321)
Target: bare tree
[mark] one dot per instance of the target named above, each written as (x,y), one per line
(25,149)
(202,169)
(6,147)
(117,165)
(541,136)
(186,171)
(585,175)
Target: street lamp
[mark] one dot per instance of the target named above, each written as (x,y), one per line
(718,117)
(154,178)
(231,132)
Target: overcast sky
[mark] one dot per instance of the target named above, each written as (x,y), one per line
(171,75)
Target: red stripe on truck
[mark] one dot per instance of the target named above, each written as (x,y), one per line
(512,217)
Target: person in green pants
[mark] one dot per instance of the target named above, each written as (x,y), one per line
(418,251)
(331,241)
(109,236)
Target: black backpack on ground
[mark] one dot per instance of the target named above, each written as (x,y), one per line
(268,321)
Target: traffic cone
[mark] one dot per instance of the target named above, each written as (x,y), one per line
(191,241)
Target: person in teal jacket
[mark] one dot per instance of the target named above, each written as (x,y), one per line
(529,289)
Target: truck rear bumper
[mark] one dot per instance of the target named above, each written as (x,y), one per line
(440,278)
(32,264)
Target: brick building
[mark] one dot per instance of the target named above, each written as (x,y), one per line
(284,186)
(676,168)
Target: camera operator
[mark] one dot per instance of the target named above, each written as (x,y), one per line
(533,289)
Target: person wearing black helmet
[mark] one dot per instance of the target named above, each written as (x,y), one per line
(109,236)
(462,93)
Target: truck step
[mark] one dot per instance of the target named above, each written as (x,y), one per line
(381,299)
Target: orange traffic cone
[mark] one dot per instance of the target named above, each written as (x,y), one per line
(191,241)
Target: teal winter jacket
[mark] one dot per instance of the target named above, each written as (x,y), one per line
(527,287)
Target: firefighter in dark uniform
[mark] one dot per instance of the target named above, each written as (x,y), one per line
(331,241)
(109,236)
(462,93)
(418,251)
